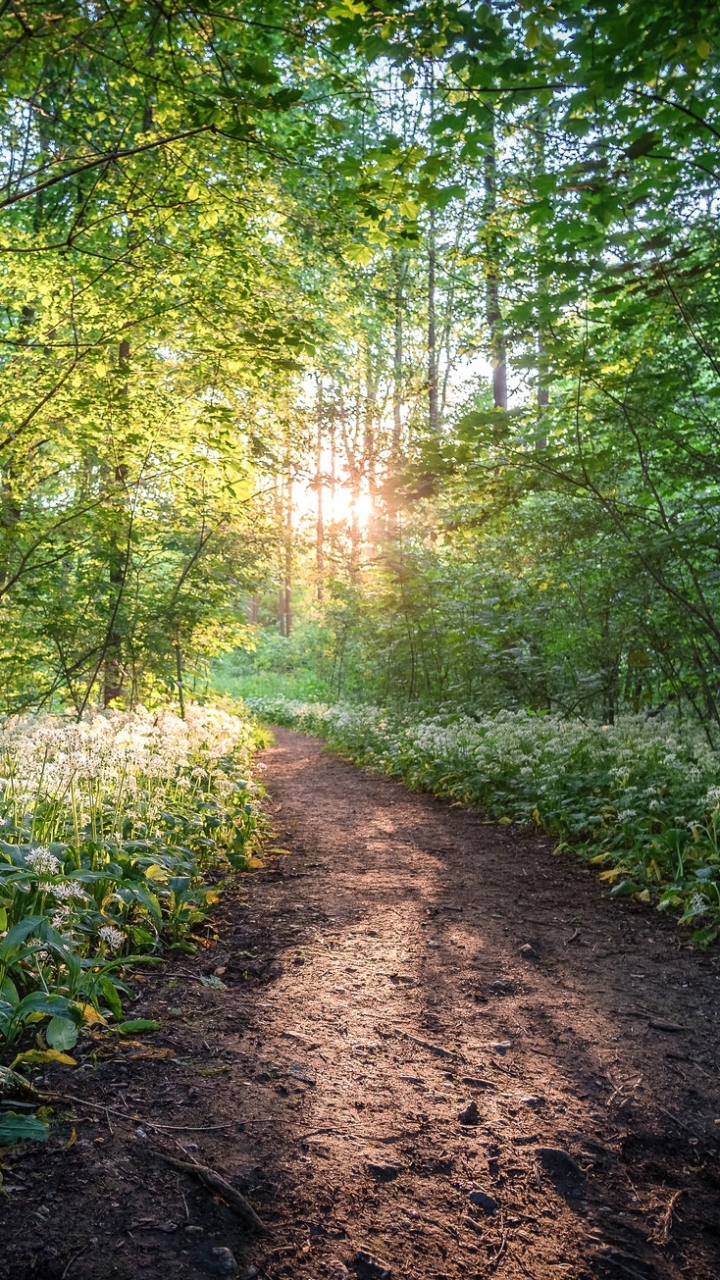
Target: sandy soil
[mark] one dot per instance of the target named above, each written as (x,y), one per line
(437,1051)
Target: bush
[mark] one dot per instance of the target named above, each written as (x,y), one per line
(108,829)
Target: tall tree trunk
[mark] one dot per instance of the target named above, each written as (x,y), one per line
(498,353)
(543,398)
(287,584)
(432,352)
(278,504)
(398,359)
(113,673)
(333,475)
(319,486)
(370,443)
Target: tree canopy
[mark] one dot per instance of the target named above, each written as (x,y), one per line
(396,320)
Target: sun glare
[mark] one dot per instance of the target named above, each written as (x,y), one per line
(338,507)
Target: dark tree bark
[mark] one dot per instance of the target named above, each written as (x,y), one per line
(498,352)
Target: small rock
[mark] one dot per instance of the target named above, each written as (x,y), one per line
(225,1264)
(483,1201)
(501,1047)
(384,1172)
(532,1100)
(369,1267)
(470,1115)
(528,953)
(558,1163)
(337,1270)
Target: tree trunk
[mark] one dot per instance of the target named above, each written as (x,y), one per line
(498,354)
(113,673)
(543,398)
(401,271)
(432,354)
(319,484)
(287,585)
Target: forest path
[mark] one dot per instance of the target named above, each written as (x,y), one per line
(410,993)
(360,993)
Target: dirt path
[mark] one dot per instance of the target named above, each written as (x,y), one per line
(403,963)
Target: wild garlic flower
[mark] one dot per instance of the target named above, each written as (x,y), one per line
(698,904)
(43,862)
(63,889)
(111,936)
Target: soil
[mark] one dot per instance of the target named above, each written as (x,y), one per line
(437,1051)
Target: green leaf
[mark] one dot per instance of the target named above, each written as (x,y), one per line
(359,253)
(137,1024)
(112,998)
(61,1033)
(16,1128)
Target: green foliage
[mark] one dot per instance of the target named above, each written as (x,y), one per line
(20,1128)
(114,831)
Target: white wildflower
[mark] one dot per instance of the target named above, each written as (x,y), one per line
(114,938)
(698,904)
(43,862)
(63,889)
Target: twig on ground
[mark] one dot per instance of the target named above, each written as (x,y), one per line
(663,1234)
(625,1085)
(676,1120)
(432,1048)
(132,1119)
(73,1259)
(214,1182)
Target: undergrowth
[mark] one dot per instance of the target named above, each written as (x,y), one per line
(113,834)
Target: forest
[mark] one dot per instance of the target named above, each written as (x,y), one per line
(360,502)
(358,359)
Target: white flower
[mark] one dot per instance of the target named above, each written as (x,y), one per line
(625,815)
(114,938)
(698,904)
(43,862)
(64,889)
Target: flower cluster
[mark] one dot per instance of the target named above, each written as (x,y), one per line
(109,827)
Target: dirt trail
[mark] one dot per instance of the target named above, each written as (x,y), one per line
(405,961)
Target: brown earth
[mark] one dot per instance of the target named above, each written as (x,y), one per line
(377,983)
